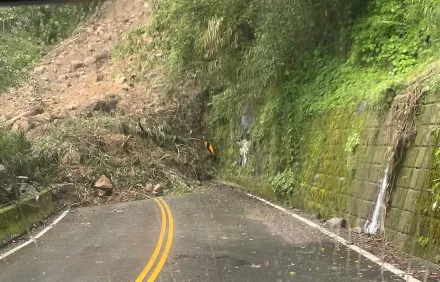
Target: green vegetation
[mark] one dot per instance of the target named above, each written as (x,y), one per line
(422,241)
(287,63)
(26,32)
(21,158)
(287,60)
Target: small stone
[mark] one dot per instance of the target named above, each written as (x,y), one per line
(103,183)
(28,188)
(158,190)
(76,65)
(109,104)
(120,79)
(357,230)
(100,77)
(68,84)
(149,188)
(125,87)
(104,55)
(336,222)
(99,193)
(71,158)
(40,69)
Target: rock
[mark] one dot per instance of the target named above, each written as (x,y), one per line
(44,78)
(109,104)
(149,188)
(28,188)
(100,77)
(30,113)
(24,125)
(158,190)
(104,183)
(66,193)
(3,169)
(99,193)
(62,77)
(357,230)
(104,55)
(120,79)
(76,65)
(125,87)
(40,69)
(336,222)
(71,158)
(23,178)
(68,84)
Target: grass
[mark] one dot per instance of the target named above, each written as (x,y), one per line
(99,141)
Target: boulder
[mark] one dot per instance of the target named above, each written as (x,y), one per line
(158,190)
(103,183)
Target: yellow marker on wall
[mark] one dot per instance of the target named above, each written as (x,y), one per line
(209,147)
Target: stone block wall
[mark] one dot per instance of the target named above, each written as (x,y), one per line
(337,182)
(15,220)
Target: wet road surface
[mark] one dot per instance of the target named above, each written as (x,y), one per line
(215,235)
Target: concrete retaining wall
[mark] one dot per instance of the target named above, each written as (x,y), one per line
(15,220)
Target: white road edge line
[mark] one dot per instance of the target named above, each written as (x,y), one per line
(33,239)
(341,240)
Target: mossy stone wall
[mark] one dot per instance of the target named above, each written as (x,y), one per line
(15,220)
(343,156)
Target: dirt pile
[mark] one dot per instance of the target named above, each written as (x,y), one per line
(79,71)
(82,109)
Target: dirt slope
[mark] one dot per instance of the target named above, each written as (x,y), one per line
(79,71)
(123,127)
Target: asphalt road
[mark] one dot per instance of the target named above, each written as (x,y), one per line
(215,235)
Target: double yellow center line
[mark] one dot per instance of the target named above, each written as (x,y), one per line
(165,212)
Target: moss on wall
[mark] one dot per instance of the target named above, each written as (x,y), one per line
(15,220)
